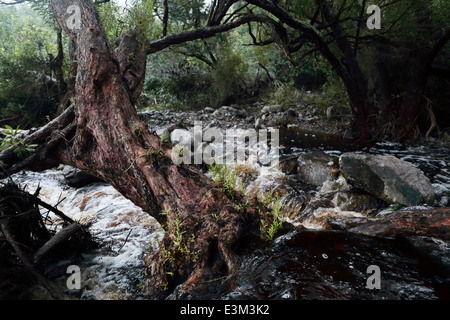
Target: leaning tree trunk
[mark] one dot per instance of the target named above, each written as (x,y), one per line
(109,141)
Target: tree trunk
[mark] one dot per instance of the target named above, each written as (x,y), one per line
(110,142)
(353,79)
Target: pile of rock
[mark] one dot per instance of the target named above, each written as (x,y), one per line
(358,185)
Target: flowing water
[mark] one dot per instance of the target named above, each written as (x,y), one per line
(123,231)
(307,264)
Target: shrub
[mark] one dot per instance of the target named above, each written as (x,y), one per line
(13,140)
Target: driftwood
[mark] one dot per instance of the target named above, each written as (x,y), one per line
(433,223)
(25,260)
(25,231)
(56,241)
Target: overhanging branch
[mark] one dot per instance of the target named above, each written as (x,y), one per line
(203,33)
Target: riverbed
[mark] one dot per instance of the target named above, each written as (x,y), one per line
(302,264)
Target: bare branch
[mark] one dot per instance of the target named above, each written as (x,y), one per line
(203,33)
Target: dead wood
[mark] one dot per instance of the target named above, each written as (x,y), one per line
(56,241)
(26,262)
(25,231)
(48,138)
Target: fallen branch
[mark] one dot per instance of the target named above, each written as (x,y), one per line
(59,238)
(47,137)
(23,229)
(36,200)
(25,260)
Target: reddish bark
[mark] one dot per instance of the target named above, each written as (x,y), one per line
(112,143)
(433,223)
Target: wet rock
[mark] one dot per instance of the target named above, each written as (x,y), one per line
(314,204)
(76,178)
(387,177)
(436,250)
(293,204)
(318,219)
(258,123)
(317,167)
(338,200)
(363,203)
(340,184)
(182,137)
(288,165)
(344,224)
(292,196)
(274,108)
(432,223)
(339,205)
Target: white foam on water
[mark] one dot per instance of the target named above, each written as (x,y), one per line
(123,230)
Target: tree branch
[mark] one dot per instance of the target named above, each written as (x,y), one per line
(203,33)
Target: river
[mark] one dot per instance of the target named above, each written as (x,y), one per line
(308,264)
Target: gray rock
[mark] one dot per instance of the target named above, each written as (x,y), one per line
(388,178)
(258,123)
(218,112)
(164,132)
(76,178)
(288,165)
(231,110)
(208,110)
(182,137)
(432,223)
(274,108)
(317,167)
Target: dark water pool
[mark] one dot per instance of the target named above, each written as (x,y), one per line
(318,265)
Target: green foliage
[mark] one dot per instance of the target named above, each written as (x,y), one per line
(289,91)
(113,21)
(140,17)
(228,178)
(179,246)
(27,90)
(120,17)
(12,140)
(333,94)
(285,94)
(228,75)
(44,11)
(273,202)
(174,83)
(211,73)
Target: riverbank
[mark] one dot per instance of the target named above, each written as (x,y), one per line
(323,252)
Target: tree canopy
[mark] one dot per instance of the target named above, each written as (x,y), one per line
(261,41)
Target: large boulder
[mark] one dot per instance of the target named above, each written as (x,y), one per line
(317,167)
(388,178)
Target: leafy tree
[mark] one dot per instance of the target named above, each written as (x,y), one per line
(376,66)
(28,92)
(100,131)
